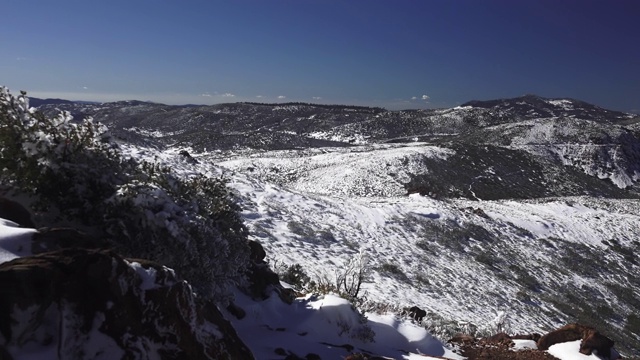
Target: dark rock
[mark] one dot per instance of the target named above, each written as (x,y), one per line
(415,313)
(185,154)
(97,293)
(591,339)
(262,280)
(480,212)
(63,238)
(287,295)
(594,341)
(14,211)
(4,354)
(236,311)
(257,251)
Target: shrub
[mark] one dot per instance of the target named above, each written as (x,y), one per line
(191,224)
(393,270)
(63,163)
(350,279)
(295,275)
(301,229)
(347,281)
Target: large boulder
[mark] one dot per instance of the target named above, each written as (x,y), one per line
(94,304)
(591,339)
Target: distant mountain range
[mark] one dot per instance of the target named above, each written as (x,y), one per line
(567,146)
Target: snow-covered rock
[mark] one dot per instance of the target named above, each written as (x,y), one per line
(94,304)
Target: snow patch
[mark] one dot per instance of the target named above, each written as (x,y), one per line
(15,241)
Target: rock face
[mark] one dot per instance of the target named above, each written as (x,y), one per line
(93,304)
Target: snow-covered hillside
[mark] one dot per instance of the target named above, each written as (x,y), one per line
(542,262)
(515,215)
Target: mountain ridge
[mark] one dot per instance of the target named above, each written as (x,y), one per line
(550,130)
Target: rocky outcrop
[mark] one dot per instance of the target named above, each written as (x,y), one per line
(262,280)
(85,304)
(591,339)
(500,346)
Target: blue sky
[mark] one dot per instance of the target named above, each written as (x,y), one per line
(395,54)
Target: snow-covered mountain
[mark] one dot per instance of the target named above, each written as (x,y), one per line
(524,138)
(526,207)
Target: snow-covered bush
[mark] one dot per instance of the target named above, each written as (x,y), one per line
(189,224)
(500,324)
(75,170)
(293,275)
(356,271)
(62,162)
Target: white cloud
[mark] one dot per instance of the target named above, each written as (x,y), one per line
(316,98)
(228,95)
(425,97)
(206,95)
(282,97)
(86,88)
(259,96)
(414,98)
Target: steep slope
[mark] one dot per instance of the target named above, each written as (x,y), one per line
(544,262)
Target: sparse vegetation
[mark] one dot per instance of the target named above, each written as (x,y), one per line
(301,229)
(393,270)
(356,272)
(295,275)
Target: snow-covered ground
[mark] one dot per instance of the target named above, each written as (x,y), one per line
(303,207)
(322,325)
(15,241)
(416,260)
